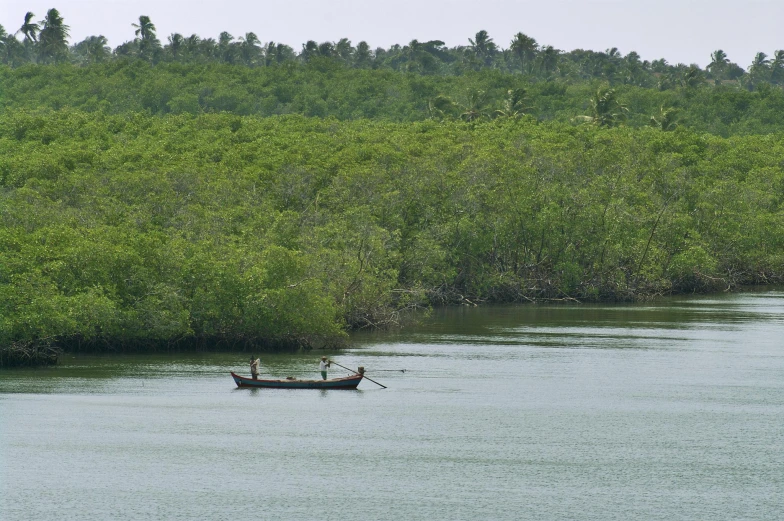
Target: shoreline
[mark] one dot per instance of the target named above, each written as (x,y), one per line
(30,353)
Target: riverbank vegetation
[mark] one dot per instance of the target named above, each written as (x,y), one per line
(275,201)
(138,230)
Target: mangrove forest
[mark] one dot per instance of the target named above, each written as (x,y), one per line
(233,194)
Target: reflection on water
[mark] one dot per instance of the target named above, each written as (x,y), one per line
(667,410)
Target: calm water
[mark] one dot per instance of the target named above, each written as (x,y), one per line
(666,411)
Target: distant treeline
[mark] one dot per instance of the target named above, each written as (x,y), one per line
(137,231)
(328,89)
(45,41)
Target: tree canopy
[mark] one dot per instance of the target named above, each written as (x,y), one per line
(230,192)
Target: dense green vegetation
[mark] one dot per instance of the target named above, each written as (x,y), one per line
(413,82)
(329,89)
(232,194)
(136,230)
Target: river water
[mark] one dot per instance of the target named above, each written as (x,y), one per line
(665,411)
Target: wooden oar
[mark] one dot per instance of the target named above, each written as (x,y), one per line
(365,377)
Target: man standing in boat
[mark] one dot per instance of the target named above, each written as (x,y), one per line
(254,367)
(323,367)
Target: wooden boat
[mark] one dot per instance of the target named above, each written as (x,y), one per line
(348,382)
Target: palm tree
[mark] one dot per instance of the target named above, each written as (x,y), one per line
(608,64)
(759,70)
(269,53)
(278,53)
(718,65)
(226,50)
(344,49)
(206,49)
(411,52)
(5,38)
(93,49)
(191,47)
(484,47)
(363,56)
(326,49)
(284,53)
(250,49)
(515,104)
(309,50)
(524,48)
(777,68)
(666,120)
(660,66)
(12,51)
(52,45)
(145,36)
(441,107)
(29,28)
(667,80)
(475,107)
(606,110)
(176,45)
(145,29)
(692,77)
(548,60)
(633,69)
(422,56)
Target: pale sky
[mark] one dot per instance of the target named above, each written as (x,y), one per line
(686,31)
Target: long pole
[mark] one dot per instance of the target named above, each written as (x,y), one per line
(347,369)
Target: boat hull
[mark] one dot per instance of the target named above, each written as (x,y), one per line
(349,382)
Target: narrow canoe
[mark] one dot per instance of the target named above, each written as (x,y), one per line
(349,382)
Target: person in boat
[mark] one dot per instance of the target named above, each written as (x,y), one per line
(254,367)
(323,365)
